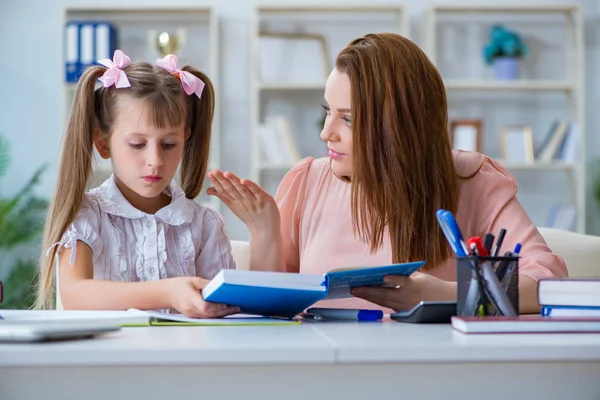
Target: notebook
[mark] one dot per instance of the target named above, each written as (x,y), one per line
(526,324)
(287,294)
(569,292)
(133,318)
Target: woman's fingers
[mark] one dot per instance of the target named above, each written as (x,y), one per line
(223,194)
(256,190)
(242,189)
(386,297)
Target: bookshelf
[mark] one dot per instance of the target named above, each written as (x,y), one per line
(298,98)
(137,27)
(541,95)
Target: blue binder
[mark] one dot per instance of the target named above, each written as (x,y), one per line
(85,43)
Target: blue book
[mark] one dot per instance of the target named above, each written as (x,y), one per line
(570,311)
(287,294)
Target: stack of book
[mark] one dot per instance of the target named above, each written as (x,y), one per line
(570,297)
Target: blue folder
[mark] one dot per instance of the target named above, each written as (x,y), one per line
(287,294)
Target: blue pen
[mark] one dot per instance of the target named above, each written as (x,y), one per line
(511,267)
(344,314)
(455,239)
(452,232)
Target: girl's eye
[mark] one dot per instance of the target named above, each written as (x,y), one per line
(347,121)
(168,146)
(327,109)
(137,145)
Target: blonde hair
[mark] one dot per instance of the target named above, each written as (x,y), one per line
(96,110)
(403,169)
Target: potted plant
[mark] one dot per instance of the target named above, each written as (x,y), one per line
(21,221)
(504,52)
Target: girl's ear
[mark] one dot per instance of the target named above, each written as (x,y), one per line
(187,134)
(101,143)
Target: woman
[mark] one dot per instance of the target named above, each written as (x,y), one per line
(390,168)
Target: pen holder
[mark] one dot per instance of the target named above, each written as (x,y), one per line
(487,286)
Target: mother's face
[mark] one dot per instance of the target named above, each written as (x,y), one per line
(337,131)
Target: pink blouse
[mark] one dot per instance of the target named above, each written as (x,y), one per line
(317,227)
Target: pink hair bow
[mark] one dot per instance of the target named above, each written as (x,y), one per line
(190,82)
(114,75)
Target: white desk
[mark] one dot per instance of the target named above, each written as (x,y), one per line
(321,360)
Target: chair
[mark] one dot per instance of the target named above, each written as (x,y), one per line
(580,252)
(241,254)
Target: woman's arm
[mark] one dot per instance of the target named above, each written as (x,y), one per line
(258,211)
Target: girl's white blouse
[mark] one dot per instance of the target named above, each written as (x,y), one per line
(184,238)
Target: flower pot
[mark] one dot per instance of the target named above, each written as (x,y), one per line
(507,68)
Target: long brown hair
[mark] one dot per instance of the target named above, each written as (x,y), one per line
(96,109)
(403,169)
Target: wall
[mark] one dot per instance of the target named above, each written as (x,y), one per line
(31,85)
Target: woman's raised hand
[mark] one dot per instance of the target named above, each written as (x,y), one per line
(248,201)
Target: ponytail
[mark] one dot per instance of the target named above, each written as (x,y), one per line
(75,169)
(196,153)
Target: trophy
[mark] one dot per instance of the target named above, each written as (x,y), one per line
(167,42)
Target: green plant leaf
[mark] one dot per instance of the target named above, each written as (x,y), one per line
(19,290)
(9,206)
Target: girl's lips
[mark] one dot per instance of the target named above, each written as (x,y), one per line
(152,178)
(334,154)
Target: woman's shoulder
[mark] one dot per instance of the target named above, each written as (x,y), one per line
(308,168)
(477,168)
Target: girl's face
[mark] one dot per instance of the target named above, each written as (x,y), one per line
(144,158)
(337,131)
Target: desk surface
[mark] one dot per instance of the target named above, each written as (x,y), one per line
(309,343)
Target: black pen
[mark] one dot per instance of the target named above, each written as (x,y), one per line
(501,270)
(488,241)
(499,242)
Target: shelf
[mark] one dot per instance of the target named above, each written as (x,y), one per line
(284,86)
(520,84)
(537,166)
(505,8)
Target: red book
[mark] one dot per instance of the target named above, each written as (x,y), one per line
(526,324)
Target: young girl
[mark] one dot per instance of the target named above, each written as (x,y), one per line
(138,240)
(390,168)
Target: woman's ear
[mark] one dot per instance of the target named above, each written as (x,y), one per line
(187,134)
(101,143)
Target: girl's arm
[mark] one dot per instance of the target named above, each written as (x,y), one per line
(78,290)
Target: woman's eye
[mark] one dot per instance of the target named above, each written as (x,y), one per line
(347,121)
(137,145)
(327,109)
(168,146)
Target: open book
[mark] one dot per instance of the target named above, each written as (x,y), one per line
(135,317)
(287,294)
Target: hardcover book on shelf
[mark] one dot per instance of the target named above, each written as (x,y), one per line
(286,294)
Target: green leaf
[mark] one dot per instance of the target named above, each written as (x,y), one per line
(19,290)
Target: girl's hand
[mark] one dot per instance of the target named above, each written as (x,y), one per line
(185,295)
(409,291)
(255,207)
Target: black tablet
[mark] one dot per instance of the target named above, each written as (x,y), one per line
(427,312)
